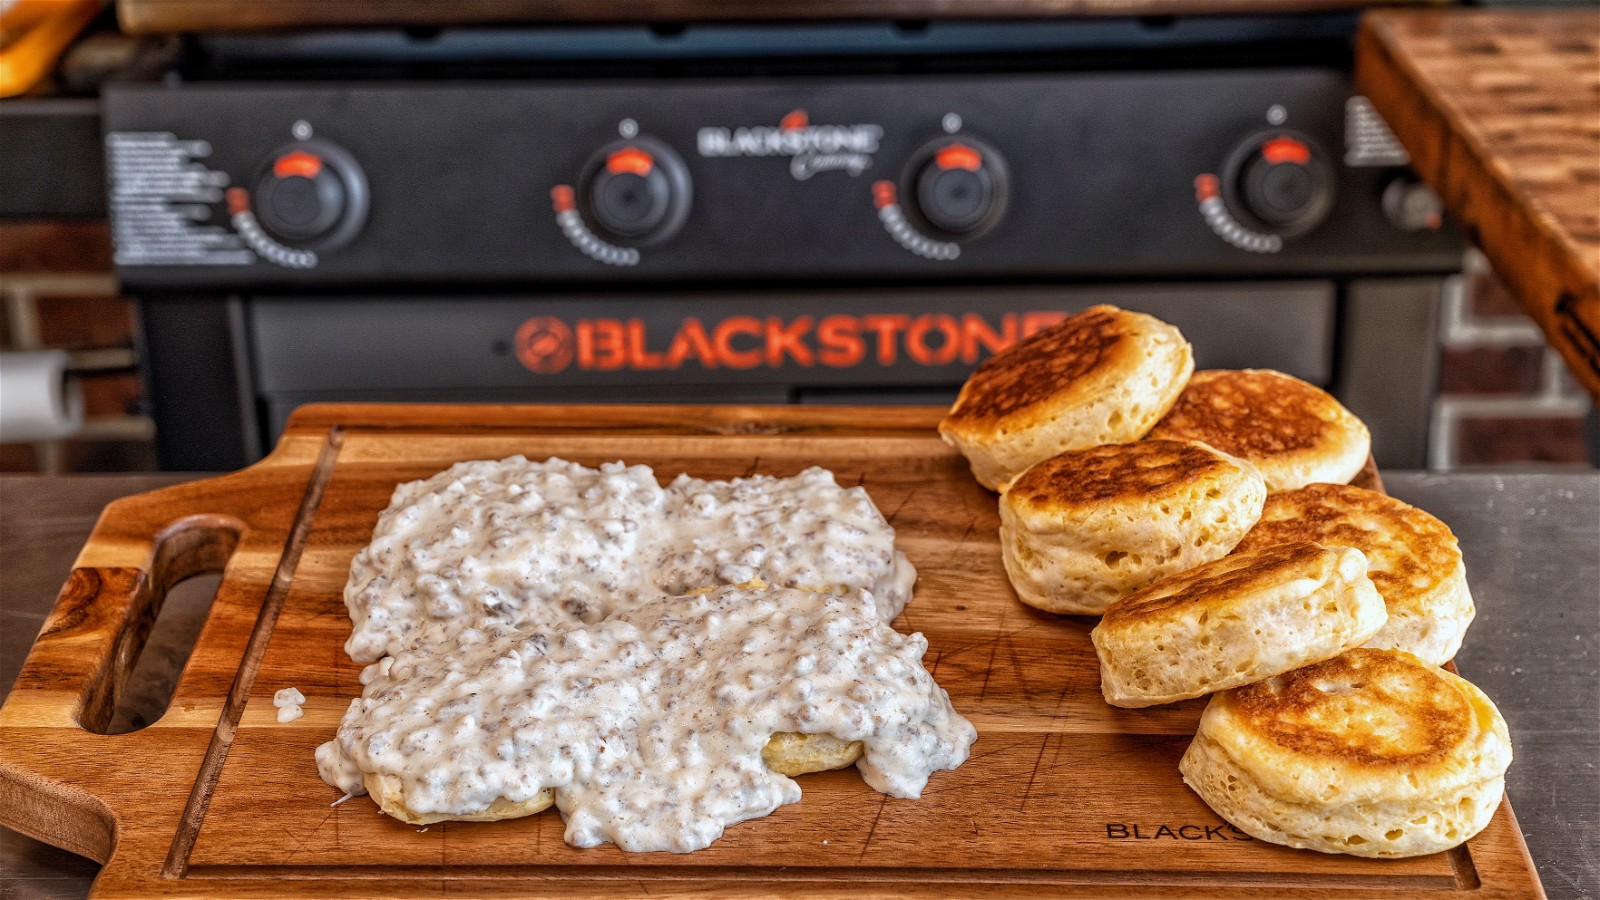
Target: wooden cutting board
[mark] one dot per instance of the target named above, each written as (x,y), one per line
(1063,794)
(169,16)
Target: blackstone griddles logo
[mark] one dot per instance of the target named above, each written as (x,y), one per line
(811,148)
(547,345)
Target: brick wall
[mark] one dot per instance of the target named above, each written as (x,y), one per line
(57,292)
(1505,399)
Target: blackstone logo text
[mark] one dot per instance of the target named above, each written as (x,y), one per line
(766,140)
(813,148)
(548,345)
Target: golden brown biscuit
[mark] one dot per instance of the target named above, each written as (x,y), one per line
(1103,376)
(1412,557)
(790,753)
(389,793)
(786,753)
(1294,432)
(1372,753)
(1234,621)
(1081,529)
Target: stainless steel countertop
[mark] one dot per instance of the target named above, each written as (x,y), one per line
(1532,546)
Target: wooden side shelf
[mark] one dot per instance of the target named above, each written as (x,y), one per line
(1500,111)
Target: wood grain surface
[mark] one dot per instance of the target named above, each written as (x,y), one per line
(1500,111)
(165,16)
(1063,793)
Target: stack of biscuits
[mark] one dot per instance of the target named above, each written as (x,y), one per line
(1208,518)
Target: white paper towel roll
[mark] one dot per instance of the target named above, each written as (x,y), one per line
(38,402)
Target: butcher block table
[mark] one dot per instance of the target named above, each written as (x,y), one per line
(1063,794)
(1500,111)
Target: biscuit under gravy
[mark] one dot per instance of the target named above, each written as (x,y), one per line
(1081,529)
(790,753)
(1372,753)
(1102,376)
(389,793)
(787,753)
(1235,621)
(1294,432)
(1412,557)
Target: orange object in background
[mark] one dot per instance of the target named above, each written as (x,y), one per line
(33,33)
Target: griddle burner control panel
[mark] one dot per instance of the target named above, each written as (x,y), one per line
(1070,174)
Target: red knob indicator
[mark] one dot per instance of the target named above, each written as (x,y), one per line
(297,163)
(958,156)
(1285,149)
(632,160)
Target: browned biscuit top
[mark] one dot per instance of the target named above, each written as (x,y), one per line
(1217,582)
(1146,469)
(1374,708)
(1409,552)
(1045,365)
(1252,413)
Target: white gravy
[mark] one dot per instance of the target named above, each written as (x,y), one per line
(532,635)
(649,725)
(288,701)
(544,546)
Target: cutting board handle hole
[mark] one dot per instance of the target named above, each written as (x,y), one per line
(163,612)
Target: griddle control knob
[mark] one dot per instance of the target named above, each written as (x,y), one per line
(311,194)
(959,186)
(636,192)
(1281,182)
(1412,205)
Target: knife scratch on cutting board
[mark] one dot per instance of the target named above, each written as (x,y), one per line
(901,505)
(883,800)
(1033,777)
